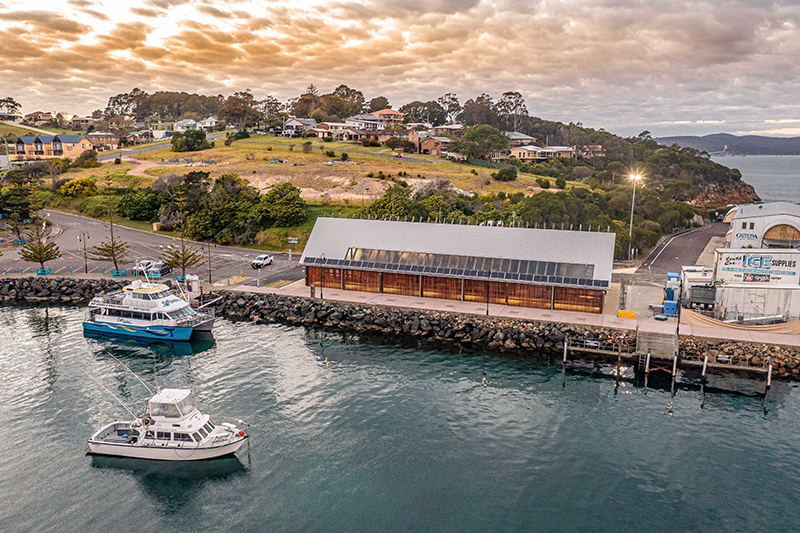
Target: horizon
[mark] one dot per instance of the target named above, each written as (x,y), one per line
(626,66)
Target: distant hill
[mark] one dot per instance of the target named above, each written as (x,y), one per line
(737,145)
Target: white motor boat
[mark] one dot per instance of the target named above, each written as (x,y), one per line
(171,428)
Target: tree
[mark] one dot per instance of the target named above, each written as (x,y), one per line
(187,256)
(511,107)
(9,106)
(269,107)
(78,188)
(282,206)
(428,112)
(191,141)
(113,250)
(87,159)
(378,103)
(477,141)
(479,111)
(451,106)
(505,174)
(37,249)
(352,100)
(239,109)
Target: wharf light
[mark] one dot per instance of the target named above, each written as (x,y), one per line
(635,178)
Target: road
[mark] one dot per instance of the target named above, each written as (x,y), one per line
(104,158)
(226,261)
(676,251)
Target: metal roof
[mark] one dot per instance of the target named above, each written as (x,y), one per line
(332,237)
(769,209)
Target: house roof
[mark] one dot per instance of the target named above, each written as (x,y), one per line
(70,138)
(768,209)
(531,148)
(440,139)
(26,139)
(387,111)
(332,237)
(517,136)
(364,118)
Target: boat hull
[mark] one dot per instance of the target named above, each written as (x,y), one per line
(163,453)
(152,332)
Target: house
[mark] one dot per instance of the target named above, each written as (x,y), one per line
(296,126)
(434,145)
(184,125)
(402,134)
(389,117)
(82,123)
(103,140)
(209,124)
(365,122)
(39,116)
(329,129)
(11,117)
(591,150)
(447,128)
(538,153)
(518,139)
(47,146)
(141,136)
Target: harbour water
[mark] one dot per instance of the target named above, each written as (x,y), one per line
(356,435)
(775,178)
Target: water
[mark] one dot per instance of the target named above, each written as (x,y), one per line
(775,178)
(351,436)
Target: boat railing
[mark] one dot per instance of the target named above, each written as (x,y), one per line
(115,298)
(195,318)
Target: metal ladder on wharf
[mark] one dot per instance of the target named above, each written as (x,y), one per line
(656,346)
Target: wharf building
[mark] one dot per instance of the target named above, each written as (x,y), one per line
(525,267)
(756,276)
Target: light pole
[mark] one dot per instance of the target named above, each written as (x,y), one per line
(635,178)
(83,237)
(209,261)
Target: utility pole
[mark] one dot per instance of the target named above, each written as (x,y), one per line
(83,237)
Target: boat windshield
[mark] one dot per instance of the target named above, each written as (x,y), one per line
(173,410)
(180,313)
(160,294)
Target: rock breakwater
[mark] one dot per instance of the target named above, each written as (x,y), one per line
(63,290)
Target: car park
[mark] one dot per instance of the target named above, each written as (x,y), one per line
(141,266)
(261,261)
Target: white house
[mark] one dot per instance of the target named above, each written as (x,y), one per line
(209,124)
(184,125)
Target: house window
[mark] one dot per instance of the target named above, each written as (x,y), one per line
(752,225)
(744,225)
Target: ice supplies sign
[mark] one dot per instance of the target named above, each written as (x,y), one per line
(774,269)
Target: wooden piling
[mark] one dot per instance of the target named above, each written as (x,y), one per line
(705,366)
(566,343)
(647,364)
(674,365)
(769,374)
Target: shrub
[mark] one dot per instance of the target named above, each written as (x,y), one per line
(117,161)
(473,171)
(373,143)
(78,188)
(505,174)
(269,148)
(345,157)
(306,147)
(330,153)
(327,139)
(191,141)
(561,183)
(229,141)
(87,159)
(544,183)
(370,174)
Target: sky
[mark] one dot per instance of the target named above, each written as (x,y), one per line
(669,67)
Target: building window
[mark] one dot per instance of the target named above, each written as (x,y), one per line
(744,225)
(752,225)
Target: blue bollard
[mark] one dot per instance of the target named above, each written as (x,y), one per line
(70,270)
(229,280)
(104,270)
(20,271)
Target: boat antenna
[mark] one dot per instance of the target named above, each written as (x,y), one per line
(129,370)
(111,393)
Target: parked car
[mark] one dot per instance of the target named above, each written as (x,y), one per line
(159,269)
(261,261)
(140,269)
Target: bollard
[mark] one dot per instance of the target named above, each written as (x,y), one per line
(104,271)
(229,281)
(70,270)
(20,270)
(241,272)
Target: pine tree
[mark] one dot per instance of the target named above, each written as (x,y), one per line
(184,257)
(113,250)
(37,249)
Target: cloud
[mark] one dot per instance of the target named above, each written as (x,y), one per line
(624,65)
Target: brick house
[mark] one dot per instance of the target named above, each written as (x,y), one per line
(434,145)
(103,140)
(47,146)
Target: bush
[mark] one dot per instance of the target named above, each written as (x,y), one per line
(141,204)
(229,141)
(330,153)
(374,144)
(191,141)
(370,174)
(473,171)
(117,161)
(544,183)
(505,174)
(345,157)
(561,183)
(78,188)
(87,159)
(327,139)
(240,135)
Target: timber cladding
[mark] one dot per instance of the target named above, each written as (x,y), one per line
(450,288)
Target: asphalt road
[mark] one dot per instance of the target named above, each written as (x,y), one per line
(226,261)
(126,153)
(679,250)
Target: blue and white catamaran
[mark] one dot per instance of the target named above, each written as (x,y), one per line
(146,310)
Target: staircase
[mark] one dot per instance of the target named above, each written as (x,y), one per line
(658,345)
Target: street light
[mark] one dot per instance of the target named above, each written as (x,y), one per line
(83,237)
(635,178)
(209,261)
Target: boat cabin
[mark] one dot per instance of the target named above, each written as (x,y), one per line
(172,403)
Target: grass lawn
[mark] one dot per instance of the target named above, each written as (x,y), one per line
(15,130)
